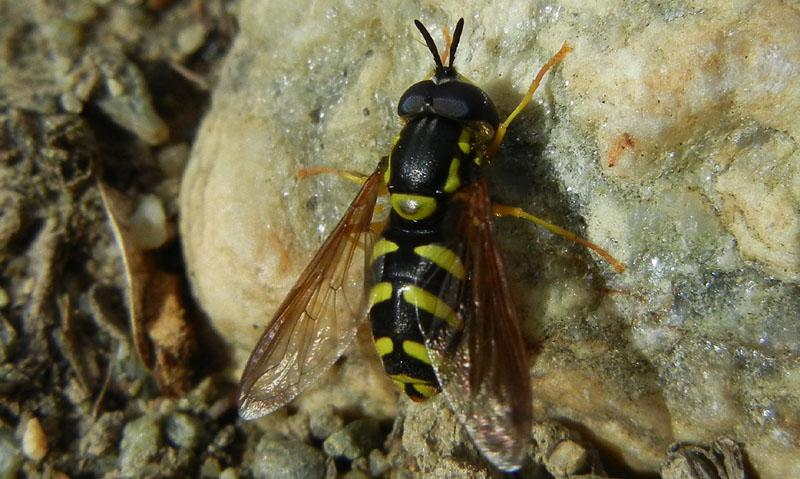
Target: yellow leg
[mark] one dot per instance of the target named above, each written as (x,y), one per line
(500,210)
(304,173)
(501,130)
(447,42)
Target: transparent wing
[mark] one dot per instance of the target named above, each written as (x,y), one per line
(318,319)
(482,366)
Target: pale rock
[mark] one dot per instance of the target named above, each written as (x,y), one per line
(670,132)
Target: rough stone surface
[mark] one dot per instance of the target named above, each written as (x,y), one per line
(184,430)
(281,459)
(141,441)
(10,456)
(354,440)
(670,132)
(324,422)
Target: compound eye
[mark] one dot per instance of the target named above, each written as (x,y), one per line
(466,102)
(417,99)
(451,106)
(453,99)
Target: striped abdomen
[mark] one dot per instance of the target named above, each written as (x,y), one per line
(430,162)
(402,300)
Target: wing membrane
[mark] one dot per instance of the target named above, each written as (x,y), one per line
(482,367)
(318,319)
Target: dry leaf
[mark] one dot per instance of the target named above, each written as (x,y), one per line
(172,339)
(162,336)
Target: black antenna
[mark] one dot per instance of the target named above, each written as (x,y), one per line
(431,44)
(456,39)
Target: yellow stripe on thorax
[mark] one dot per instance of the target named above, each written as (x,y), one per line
(463,140)
(387,175)
(453,181)
(444,258)
(426,301)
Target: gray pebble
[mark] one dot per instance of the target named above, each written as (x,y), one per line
(191,38)
(229,473)
(10,456)
(4,299)
(323,423)
(184,430)
(70,102)
(377,463)
(103,435)
(210,468)
(282,459)
(355,474)
(141,441)
(8,337)
(354,440)
(566,459)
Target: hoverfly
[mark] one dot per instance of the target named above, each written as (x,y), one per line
(436,290)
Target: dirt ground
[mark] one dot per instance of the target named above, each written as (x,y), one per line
(99,102)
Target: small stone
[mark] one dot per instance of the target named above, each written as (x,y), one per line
(197,400)
(324,422)
(225,437)
(65,36)
(166,406)
(282,459)
(184,430)
(377,463)
(80,12)
(149,223)
(354,440)
(127,102)
(115,88)
(229,473)
(355,474)
(191,38)
(360,464)
(566,459)
(210,469)
(8,339)
(27,285)
(70,102)
(4,299)
(103,435)
(34,441)
(298,427)
(172,159)
(141,441)
(10,458)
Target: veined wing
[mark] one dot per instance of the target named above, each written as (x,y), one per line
(318,319)
(481,364)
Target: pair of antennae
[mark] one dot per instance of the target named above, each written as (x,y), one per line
(432,45)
